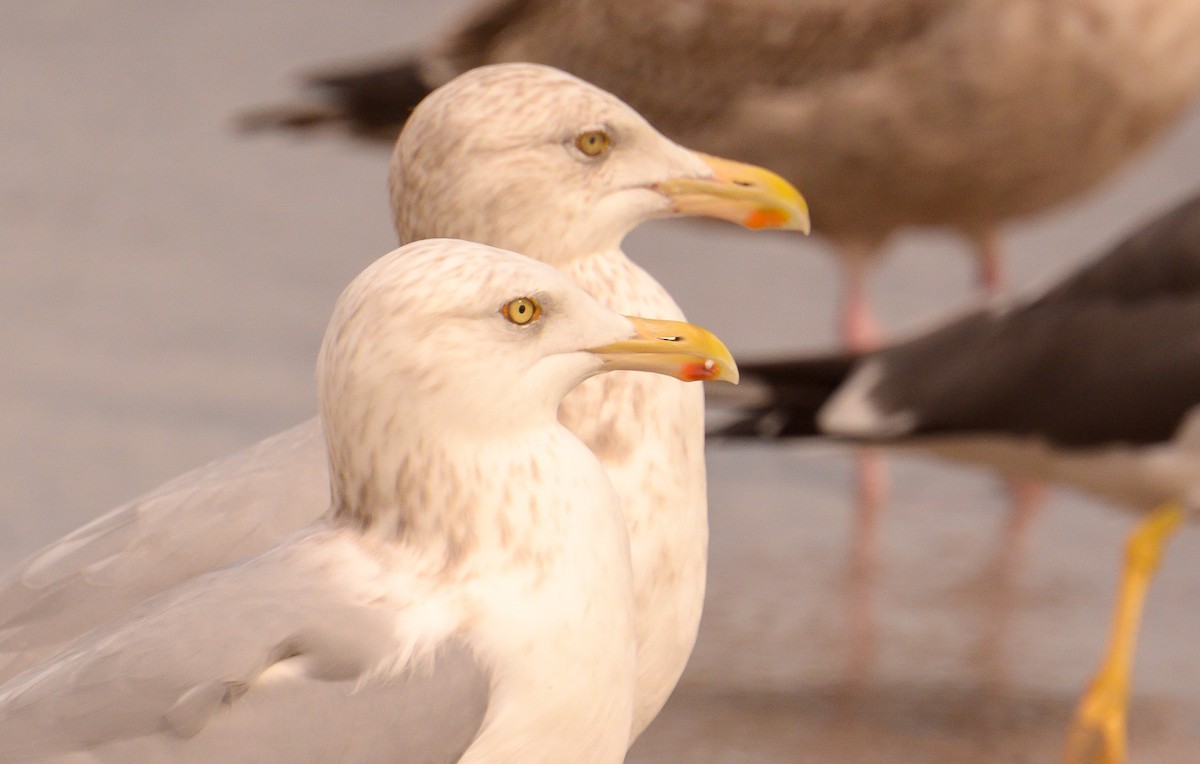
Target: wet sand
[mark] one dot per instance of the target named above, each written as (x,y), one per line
(963,668)
(166,282)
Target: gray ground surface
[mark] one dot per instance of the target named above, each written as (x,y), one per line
(164,284)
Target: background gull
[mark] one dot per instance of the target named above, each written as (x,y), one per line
(1095,382)
(468,596)
(889,114)
(516,155)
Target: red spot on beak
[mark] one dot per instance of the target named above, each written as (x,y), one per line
(698,372)
(765,219)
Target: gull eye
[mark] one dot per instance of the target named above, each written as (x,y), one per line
(593,143)
(522,310)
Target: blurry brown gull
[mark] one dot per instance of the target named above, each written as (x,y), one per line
(889,113)
(467,597)
(518,156)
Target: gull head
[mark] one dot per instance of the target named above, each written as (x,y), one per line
(532,159)
(452,340)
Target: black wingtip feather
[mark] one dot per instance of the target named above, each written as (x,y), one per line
(796,390)
(372,103)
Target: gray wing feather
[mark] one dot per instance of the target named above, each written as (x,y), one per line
(262,661)
(224,511)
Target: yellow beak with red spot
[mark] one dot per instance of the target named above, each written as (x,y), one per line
(674,348)
(740,193)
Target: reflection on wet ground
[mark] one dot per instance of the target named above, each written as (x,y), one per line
(892,723)
(956,664)
(884,723)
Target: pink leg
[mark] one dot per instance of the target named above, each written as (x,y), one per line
(860,332)
(1027,495)
(993,280)
(858,327)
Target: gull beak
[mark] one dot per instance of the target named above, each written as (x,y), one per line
(740,193)
(674,348)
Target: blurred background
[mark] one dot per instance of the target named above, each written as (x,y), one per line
(165,281)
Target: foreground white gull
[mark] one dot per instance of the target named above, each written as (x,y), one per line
(1095,382)
(517,156)
(467,597)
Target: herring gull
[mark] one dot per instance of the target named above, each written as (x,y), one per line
(889,113)
(468,595)
(529,159)
(1095,382)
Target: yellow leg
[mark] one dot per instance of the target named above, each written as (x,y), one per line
(1097,734)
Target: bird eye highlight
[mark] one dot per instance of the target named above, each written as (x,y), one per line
(522,310)
(593,143)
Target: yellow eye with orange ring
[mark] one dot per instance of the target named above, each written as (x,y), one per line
(522,310)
